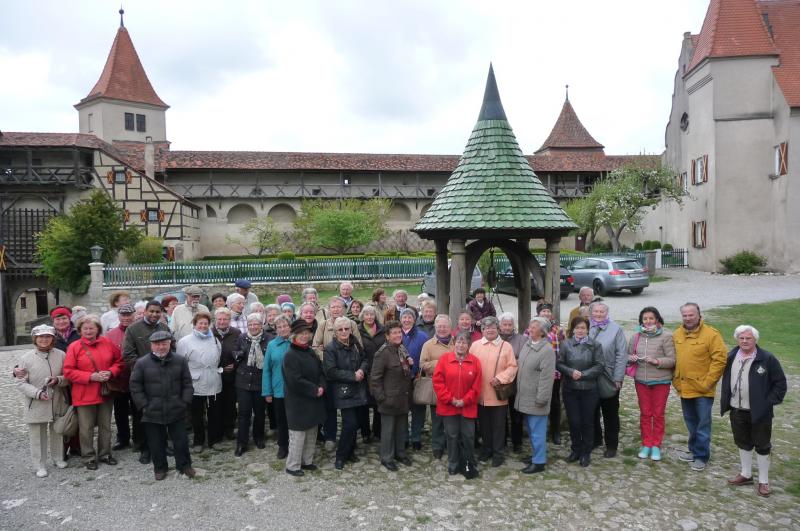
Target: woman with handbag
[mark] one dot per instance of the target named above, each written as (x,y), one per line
(91,363)
(580,362)
(457,380)
(499,371)
(346,367)
(44,392)
(536,365)
(440,343)
(651,359)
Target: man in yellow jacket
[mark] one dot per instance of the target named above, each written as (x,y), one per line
(700,358)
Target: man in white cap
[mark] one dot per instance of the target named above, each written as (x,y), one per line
(184,313)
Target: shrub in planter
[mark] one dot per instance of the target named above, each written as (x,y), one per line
(637,246)
(667,247)
(743,263)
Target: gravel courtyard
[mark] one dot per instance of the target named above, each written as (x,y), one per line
(253,492)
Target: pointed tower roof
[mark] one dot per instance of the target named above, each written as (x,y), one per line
(569,133)
(123,77)
(493,190)
(732,28)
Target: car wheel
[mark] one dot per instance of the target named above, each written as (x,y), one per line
(637,291)
(564,296)
(598,287)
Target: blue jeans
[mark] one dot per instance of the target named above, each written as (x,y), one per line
(537,431)
(697,416)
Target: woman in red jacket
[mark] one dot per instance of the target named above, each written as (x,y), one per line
(90,363)
(457,382)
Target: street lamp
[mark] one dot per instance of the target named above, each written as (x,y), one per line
(97,252)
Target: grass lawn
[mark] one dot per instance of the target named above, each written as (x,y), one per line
(657,278)
(362,294)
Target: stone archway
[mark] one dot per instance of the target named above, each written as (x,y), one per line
(282,213)
(241,213)
(399,213)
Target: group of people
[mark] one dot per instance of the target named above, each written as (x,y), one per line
(382,368)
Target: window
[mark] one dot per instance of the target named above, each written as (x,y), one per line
(23,303)
(120,177)
(90,120)
(152,215)
(129,121)
(781,159)
(700,170)
(699,234)
(683,181)
(41,302)
(140,123)
(684,122)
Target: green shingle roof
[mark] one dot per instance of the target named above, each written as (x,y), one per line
(493,188)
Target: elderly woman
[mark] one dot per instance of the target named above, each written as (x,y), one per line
(555,336)
(304,386)
(44,397)
(611,339)
(66,332)
(457,381)
(378,301)
(271,312)
(536,365)
(89,364)
(480,307)
(508,331)
(651,354)
(110,319)
(580,362)
(249,375)
(753,382)
(228,337)
(346,368)
(307,312)
(413,340)
(373,338)
(218,300)
(466,324)
(287,310)
(354,310)
(390,384)
(202,350)
(272,383)
(427,315)
(440,343)
(499,368)
(235,304)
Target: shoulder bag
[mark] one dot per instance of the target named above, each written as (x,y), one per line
(503,391)
(630,370)
(66,424)
(423,391)
(105,390)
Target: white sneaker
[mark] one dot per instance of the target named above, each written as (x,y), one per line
(61,464)
(41,473)
(698,466)
(686,457)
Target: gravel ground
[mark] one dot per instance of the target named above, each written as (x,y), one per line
(253,492)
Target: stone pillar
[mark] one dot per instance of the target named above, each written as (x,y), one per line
(552,281)
(442,278)
(458,273)
(96,286)
(650,262)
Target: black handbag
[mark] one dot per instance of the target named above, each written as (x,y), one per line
(345,391)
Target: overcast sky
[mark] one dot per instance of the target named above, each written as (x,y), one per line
(355,75)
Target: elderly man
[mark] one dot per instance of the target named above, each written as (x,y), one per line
(509,333)
(611,338)
(700,358)
(110,319)
(122,401)
(346,292)
(184,313)
(242,287)
(400,297)
(161,386)
(586,296)
(441,342)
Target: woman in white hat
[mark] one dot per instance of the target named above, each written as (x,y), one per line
(43,401)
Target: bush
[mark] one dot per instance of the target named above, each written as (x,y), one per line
(743,263)
(667,247)
(286,255)
(637,246)
(148,251)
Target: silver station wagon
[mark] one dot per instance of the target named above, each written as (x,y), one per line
(606,274)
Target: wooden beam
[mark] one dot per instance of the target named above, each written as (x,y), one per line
(553,276)
(458,277)
(442,280)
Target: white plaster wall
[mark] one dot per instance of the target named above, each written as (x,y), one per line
(108,120)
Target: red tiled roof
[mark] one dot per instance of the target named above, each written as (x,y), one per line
(134,153)
(569,133)
(784,17)
(732,28)
(123,76)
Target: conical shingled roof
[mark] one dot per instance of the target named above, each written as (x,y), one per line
(569,133)
(123,76)
(493,190)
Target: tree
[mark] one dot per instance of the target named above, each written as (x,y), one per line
(619,200)
(63,246)
(582,212)
(260,235)
(341,225)
(148,250)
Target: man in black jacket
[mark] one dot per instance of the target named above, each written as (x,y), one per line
(161,387)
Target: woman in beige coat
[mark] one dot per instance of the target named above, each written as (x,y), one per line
(44,402)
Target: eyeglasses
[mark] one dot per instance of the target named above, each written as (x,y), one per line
(342,329)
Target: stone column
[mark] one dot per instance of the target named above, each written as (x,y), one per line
(552,281)
(458,273)
(442,278)
(96,286)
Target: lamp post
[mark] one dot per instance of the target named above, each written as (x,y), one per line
(97,252)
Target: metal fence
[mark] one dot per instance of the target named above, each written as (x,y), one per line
(310,270)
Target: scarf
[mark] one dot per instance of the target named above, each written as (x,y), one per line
(581,341)
(600,324)
(444,340)
(221,332)
(66,333)
(201,335)
(371,330)
(655,331)
(255,357)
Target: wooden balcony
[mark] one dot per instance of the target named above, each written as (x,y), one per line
(47,176)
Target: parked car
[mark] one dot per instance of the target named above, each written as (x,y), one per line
(606,274)
(429,281)
(505,284)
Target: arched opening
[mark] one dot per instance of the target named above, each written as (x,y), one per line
(210,212)
(282,213)
(399,212)
(241,214)
(424,209)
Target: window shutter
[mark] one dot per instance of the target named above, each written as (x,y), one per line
(705,168)
(783,153)
(694,234)
(129,176)
(143,216)
(694,171)
(161,216)
(703,230)
(127,216)
(170,254)
(110,176)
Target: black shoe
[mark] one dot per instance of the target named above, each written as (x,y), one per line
(533,469)
(260,444)
(353,458)
(585,460)
(240,449)
(119,445)
(483,457)
(230,435)
(437,454)
(471,471)
(405,460)
(144,458)
(91,465)
(556,438)
(517,448)
(610,452)
(572,457)
(282,452)
(453,470)
(597,444)
(497,461)
(312,467)
(170,452)
(295,473)
(407,445)
(417,446)
(389,465)
(109,460)
(339,465)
